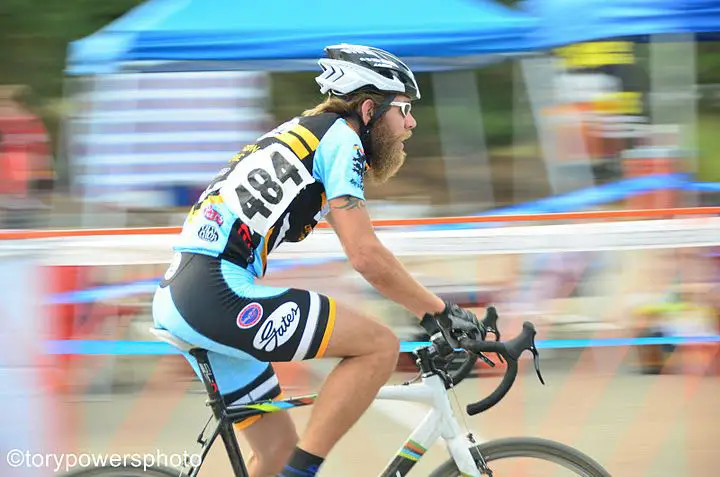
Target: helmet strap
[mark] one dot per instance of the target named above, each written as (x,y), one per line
(365,129)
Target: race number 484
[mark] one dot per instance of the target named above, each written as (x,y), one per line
(263,184)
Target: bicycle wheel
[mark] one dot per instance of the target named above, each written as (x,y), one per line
(126,471)
(536,449)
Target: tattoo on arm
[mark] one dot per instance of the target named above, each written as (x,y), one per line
(349,203)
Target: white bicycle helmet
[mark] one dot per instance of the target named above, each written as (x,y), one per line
(349,68)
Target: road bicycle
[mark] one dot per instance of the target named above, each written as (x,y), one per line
(431,386)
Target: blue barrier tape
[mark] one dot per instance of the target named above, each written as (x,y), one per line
(579,199)
(601,194)
(108,292)
(103,347)
(703,186)
(113,292)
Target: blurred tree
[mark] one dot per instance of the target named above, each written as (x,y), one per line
(34,36)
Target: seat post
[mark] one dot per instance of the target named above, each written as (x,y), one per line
(218,406)
(208,378)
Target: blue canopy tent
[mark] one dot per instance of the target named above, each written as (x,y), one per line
(285,35)
(700,16)
(564,22)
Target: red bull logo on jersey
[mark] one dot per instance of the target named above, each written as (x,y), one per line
(211,214)
(249,316)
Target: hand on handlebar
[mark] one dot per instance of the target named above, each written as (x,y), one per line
(450,325)
(455,328)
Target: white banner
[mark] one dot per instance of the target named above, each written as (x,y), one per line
(323,243)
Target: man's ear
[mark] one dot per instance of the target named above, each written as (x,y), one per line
(367,109)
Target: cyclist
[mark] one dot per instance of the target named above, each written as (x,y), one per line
(276,190)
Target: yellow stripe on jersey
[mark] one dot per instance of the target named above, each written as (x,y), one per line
(328,329)
(213,199)
(307,136)
(294,143)
(264,253)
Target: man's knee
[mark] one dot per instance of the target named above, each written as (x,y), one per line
(358,334)
(390,342)
(387,346)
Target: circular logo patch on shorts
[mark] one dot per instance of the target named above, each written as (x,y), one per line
(249,316)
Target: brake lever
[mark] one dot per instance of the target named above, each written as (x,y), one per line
(462,336)
(536,362)
(487,360)
(490,324)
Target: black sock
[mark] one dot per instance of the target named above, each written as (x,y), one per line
(302,464)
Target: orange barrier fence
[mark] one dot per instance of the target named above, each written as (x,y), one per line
(663,213)
(648,161)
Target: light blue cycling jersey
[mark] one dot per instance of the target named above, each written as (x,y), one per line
(275,190)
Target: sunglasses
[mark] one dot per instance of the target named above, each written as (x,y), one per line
(405,107)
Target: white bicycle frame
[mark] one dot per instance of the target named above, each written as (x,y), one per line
(440,422)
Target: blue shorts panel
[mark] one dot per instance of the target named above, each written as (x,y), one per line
(240,377)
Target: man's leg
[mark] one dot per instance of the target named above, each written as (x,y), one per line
(370,351)
(272,440)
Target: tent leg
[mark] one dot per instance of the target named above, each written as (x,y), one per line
(539,75)
(673,98)
(462,139)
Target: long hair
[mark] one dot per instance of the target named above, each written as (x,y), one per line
(345,107)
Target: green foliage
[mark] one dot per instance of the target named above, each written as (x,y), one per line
(34,37)
(708,148)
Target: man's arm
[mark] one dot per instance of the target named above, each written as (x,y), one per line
(369,257)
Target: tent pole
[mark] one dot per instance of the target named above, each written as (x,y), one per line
(527,170)
(62,163)
(673,102)
(540,75)
(462,139)
(534,82)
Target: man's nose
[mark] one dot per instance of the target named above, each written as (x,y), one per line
(410,122)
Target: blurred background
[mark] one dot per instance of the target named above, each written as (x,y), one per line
(117,114)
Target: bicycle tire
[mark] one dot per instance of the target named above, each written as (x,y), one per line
(126,471)
(531,447)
